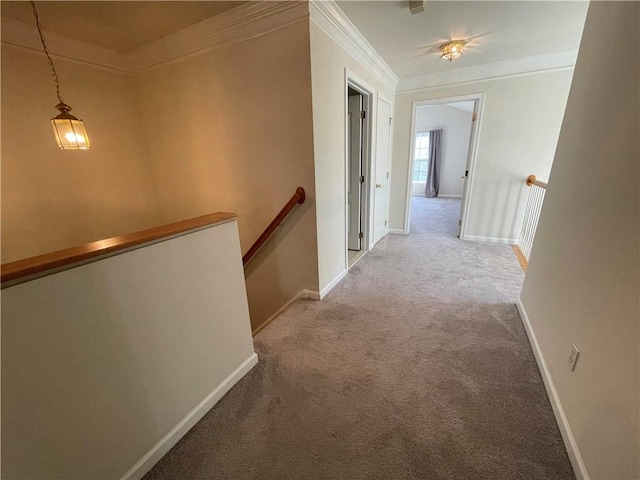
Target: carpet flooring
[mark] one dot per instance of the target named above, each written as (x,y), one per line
(416,366)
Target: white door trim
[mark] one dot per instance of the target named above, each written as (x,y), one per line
(479,97)
(369,95)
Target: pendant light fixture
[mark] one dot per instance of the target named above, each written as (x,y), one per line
(452,49)
(69,130)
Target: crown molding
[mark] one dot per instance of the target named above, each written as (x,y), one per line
(254,19)
(26,36)
(331,20)
(244,22)
(519,66)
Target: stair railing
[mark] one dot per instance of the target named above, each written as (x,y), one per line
(297,199)
(531,217)
(33,267)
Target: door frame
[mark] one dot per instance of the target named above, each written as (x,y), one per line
(356,164)
(368,96)
(472,155)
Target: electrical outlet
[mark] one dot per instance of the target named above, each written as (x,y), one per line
(573,357)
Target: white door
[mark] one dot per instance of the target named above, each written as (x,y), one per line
(465,176)
(354,196)
(383,144)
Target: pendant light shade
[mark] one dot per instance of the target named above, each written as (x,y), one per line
(69,130)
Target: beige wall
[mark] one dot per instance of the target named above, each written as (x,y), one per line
(328,63)
(228,130)
(582,284)
(231,130)
(53,199)
(102,361)
(519,130)
(456,126)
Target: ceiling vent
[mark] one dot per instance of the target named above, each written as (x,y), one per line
(417,6)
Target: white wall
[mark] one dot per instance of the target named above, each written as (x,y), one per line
(518,130)
(583,284)
(328,63)
(456,126)
(101,361)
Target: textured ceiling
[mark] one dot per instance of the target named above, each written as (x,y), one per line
(118,25)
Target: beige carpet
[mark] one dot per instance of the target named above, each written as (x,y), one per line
(416,366)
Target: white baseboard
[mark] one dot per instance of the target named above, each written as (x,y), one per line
(397,231)
(146,463)
(301,294)
(310,294)
(333,283)
(440,195)
(570,444)
(504,241)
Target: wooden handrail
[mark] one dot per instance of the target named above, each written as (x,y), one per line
(63,258)
(298,198)
(531,180)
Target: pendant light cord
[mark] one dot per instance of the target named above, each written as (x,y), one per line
(54,74)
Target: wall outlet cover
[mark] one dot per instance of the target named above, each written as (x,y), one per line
(573,357)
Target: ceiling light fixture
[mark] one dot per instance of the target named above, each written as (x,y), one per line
(452,49)
(69,130)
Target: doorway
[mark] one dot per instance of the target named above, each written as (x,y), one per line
(356,115)
(443,150)
(358,134)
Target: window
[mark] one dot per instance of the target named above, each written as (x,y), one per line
(421,164)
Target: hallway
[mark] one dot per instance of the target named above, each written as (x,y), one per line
(416,366)
(435,216)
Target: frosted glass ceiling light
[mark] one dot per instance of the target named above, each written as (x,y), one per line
(69,130)
(452,49)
